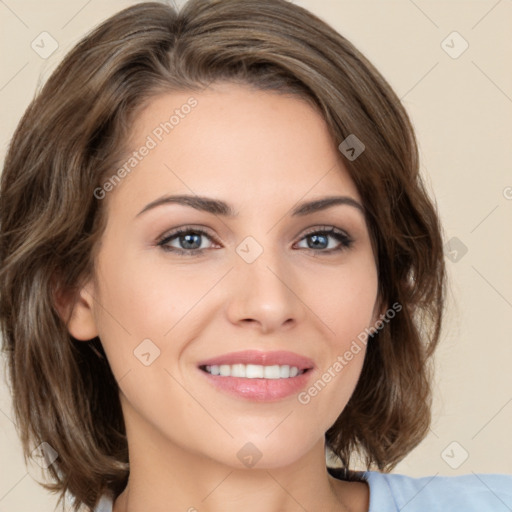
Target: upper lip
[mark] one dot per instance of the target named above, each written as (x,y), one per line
(259,357)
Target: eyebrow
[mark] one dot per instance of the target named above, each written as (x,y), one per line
(219,207)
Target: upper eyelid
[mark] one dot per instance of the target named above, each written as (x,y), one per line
(185,229)
(325,227)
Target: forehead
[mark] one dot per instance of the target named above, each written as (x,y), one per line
(235,142)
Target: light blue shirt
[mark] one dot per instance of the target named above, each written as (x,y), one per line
(463,493)
(475,492)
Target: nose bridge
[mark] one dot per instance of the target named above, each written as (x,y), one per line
(264,286)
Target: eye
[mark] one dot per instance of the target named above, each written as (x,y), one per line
(318,240)
(188,239)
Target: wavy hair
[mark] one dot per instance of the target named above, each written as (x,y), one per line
(73,135)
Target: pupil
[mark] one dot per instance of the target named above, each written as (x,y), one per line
(187,239)
(316,238)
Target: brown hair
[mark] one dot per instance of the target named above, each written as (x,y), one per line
(72,136)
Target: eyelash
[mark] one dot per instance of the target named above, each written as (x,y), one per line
(345,241)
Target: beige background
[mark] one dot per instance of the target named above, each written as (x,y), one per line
(462,110)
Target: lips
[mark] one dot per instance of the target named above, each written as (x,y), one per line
(297,371)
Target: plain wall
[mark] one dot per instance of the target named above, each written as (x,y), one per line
(462,110)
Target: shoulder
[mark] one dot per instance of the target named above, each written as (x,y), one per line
(465,493)
(105,504)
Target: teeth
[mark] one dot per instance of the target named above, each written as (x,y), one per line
(224,370)
(271,372)
(254,371)
(238,370)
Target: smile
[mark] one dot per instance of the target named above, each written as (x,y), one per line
(260,376)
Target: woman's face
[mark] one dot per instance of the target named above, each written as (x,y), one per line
(258,287)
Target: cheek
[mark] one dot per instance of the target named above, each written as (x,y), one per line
(343,299)
(352,315)
(141,298)
(146,296)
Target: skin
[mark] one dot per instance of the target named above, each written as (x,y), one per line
(262,153)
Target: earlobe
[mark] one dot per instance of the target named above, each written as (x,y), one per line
(76,311)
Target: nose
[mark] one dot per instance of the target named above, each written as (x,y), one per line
(265,294)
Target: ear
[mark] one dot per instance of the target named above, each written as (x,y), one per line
(76,311)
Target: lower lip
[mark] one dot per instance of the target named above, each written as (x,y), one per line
(259,390)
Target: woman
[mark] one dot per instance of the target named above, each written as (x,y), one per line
(218,261)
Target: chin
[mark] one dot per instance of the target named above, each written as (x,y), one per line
(275,451)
